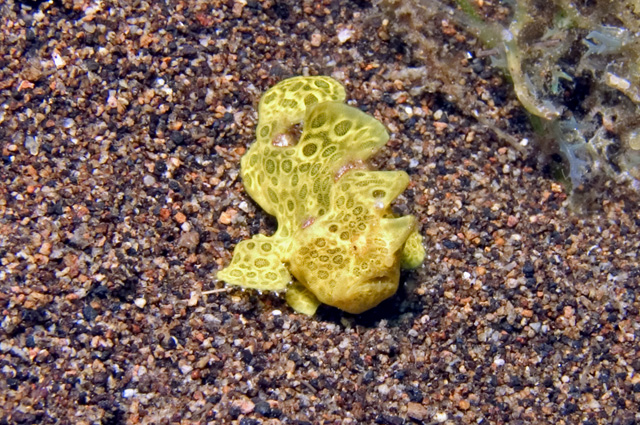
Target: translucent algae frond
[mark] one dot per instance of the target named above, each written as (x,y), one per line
(574,65)
(336,233)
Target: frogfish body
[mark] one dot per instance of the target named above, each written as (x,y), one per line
(336,233)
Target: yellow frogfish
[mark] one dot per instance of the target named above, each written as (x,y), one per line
(337,240)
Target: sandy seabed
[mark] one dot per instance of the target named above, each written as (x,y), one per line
(121,130)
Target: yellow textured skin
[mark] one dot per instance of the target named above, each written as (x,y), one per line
(336,233)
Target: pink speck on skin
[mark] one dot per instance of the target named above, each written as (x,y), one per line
(355,165)
(308,222)
(287,138)
(282,140)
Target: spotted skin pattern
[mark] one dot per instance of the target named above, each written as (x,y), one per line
(337,240)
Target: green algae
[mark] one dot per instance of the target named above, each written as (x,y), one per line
(574,66)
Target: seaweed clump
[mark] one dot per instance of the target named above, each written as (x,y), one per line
(336,233)
(575,68)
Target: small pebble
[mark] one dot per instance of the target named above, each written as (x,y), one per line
(417,411)
(227,216)
(246,406)
(58,60)
(149,180)
(89,313)
(180,217)
(189,240)
(129,393)
(185,368)
(344,35)
(316,39)
(440,417)
(32,145)
(193,299)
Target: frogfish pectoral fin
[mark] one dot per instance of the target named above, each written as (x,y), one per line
(301,299)
(257,264)
(413,252)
